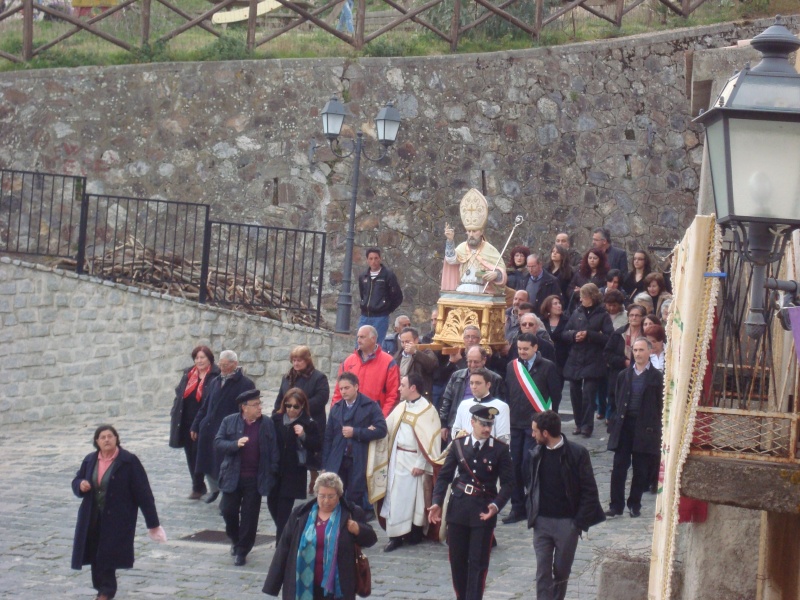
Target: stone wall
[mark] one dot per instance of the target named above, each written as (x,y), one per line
(75,345)
(572,137)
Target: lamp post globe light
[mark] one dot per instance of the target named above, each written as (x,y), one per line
(753,143)
(387,125)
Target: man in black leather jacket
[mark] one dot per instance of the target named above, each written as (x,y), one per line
(380,294)
(562,501)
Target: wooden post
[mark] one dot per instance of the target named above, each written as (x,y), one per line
(360,16)
(685,8)
(252,17)
(27,30)
(145,23)
(537,25)
(455,25)
(618,12)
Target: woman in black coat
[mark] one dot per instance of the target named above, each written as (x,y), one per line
(297,433)
(587,332)
(555,321)
(516,267)
(113,486)
(312,517)
(188,396)
(314,383)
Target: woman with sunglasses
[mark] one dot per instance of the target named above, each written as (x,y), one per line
(304,375)
(298,438)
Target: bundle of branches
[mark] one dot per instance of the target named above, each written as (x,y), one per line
(133,263)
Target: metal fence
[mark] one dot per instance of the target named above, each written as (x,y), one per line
(173,247)
(749,409)
(40,213)
(262,266)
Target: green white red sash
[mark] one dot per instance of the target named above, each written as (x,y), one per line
(529,387)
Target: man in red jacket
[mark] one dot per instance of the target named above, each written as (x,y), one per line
(377,372)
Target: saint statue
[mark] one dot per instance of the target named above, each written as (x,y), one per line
(474,265)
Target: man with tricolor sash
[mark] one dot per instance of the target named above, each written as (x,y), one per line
(533,385)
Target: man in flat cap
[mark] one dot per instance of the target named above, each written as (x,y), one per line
(473,465)
(250,462)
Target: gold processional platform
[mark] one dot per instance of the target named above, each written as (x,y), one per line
(457,310)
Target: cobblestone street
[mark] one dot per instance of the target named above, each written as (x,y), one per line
(38,512)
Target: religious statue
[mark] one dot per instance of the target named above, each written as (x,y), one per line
(474,265)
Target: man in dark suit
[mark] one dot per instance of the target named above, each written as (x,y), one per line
(352,424)
(617,257)
(540,283)
(635,434)
(474,465)
(533,385)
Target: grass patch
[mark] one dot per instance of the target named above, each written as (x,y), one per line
(494,34)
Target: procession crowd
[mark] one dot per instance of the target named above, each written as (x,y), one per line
(433,445)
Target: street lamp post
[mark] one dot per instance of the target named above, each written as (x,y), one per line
(753,142)
(387,125)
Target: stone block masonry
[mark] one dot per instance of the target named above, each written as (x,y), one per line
(76,345)
(572,137)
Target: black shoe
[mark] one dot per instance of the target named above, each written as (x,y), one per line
(587,433)
(240,560)
(211,497)
(612,513)
(635,512)
(196,495)
(394,544)
(414,540)
(233,549)
(514,517)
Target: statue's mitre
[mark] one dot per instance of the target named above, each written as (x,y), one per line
(474,210)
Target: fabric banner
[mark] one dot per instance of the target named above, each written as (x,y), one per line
(689,330)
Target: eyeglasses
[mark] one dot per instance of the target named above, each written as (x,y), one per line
(527,324)
(293,406)
(327,496)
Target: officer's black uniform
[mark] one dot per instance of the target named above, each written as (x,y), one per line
(469,538)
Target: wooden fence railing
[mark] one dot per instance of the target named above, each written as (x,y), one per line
(301,13)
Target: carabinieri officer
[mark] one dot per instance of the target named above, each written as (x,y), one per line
(473,465)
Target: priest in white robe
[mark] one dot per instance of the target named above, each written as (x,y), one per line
(414,442)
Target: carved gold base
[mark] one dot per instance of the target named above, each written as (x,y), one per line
(457,310)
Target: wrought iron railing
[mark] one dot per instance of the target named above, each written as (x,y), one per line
(749,407)
(173,247)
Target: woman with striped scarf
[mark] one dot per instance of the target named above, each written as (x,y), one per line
(315,557)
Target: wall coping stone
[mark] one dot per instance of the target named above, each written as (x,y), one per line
(578,47)
(143,292)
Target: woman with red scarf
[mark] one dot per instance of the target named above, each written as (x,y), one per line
(188,396)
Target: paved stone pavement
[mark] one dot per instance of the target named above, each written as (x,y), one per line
(38,512)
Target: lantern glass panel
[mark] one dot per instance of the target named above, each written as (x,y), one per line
(715,141)
(387,130)
(764,93)
(764,169)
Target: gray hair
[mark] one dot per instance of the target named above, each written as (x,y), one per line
(329,480)
(229,355)
(641,338)
(371,330)
(397,320)
(532,317)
